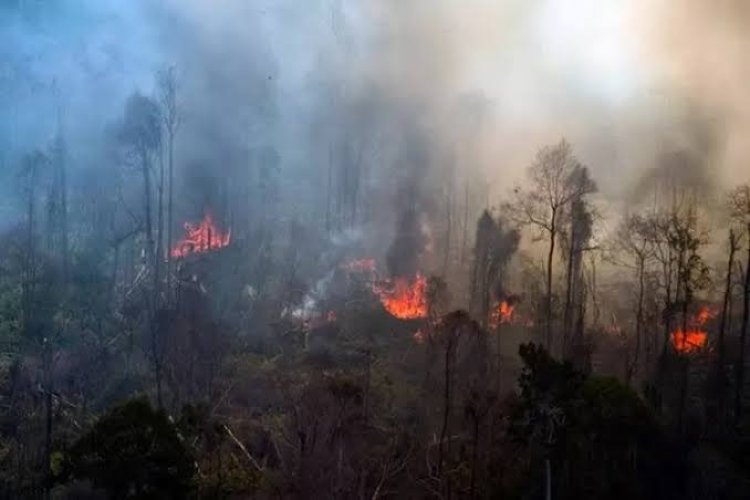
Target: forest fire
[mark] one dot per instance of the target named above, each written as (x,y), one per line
(403,298)
(694,338)
(502,314)
(201,238)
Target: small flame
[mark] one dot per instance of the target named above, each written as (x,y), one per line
(403,298)
(503,314)
(201,238)
(695,337)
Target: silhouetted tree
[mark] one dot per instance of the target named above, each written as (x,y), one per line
(133,451)
(541,205)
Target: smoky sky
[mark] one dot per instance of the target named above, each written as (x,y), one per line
(482,83)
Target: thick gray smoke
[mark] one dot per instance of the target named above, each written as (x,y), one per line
(336,89)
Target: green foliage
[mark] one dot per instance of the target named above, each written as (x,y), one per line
(133,451)
(601,438)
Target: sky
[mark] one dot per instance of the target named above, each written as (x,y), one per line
(481,83)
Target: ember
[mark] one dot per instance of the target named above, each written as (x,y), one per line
(695,337)
(404,299)
(200,238)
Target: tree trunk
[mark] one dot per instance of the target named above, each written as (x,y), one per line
(147,207)
(725,315)
(329,189)
(568,294)
(474,448)
(633,368)
(550,257)
(446,404)
(48,426)
(447,248)
(466,224)
(170,208)
(740,367)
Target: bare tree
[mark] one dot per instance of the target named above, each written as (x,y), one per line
(171,122)
(740,204)
(140,133)
(541,204)
(636,241)
(726,313)
(686,239)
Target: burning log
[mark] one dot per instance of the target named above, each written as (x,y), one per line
(201,238)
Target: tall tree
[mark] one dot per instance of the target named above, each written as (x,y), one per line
(171,122)
(541,204)
(579,229)
(725,321)
(495,245)
(636,242)
(740,203)
(140,133)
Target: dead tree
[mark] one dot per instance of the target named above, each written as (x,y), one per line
(541,204)
(740,204)
(495,245)
(579,229)
(636,242)
(140,134)
(171,122)
(725,321)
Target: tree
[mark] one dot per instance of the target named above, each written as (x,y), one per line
(636,241)
(726,313)
(140,133)
(740,206)
(133,451)
(692,274)
(579,232)
(495,245)
(594,433)
(541,204)
(171,121)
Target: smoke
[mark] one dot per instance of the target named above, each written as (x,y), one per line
(481,83)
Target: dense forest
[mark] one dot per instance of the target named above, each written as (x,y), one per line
(284,249)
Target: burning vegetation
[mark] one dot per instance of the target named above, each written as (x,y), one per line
(360,303)
(695,337)
(202,237)
(404,298)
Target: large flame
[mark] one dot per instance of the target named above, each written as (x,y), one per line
(404,298)
(200,238)
(695,337)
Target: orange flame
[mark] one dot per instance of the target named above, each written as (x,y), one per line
(200,238)
(503,314)
(404,299)
(694,338)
